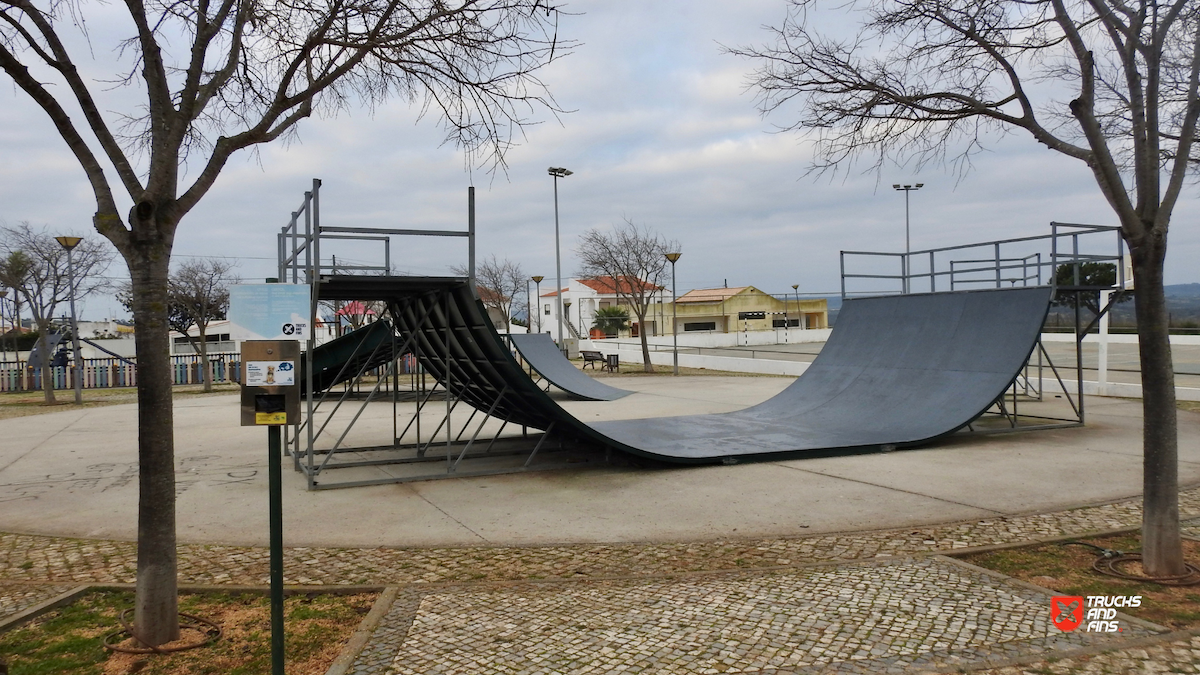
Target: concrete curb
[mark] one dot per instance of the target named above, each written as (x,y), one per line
(30,613)
(1049,592)
(362,635)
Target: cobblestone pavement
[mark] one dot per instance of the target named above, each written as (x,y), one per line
(15,597)
(35,568)
(1191,528)
(896,616)
(59,560)
(1177,656)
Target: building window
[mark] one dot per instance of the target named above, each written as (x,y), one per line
(700,325)
(546,310)
(605,304)
(751,316)
(780,323)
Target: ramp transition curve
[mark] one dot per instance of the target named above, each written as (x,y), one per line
(540,352)
(896,371)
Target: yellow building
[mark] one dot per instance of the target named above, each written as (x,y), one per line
(725,310)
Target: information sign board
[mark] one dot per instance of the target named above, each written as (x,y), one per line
(270,311)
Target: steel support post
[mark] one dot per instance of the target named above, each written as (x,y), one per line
(275,471)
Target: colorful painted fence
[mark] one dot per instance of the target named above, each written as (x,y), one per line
(111,372)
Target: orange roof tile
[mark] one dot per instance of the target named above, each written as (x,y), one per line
(609,286)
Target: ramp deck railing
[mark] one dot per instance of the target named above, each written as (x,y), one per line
(1020,261)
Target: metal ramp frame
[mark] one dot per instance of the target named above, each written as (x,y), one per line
(442,324)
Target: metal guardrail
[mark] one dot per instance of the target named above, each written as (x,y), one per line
(1020,261)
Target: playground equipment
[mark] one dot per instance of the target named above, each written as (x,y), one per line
(899,370)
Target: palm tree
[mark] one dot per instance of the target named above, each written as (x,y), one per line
(610,320)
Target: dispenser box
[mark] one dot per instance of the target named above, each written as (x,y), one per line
(270,382)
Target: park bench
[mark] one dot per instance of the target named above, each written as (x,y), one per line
(592,358)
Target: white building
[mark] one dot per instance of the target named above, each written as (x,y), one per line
(586,296)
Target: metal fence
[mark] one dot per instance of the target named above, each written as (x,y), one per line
(112,372)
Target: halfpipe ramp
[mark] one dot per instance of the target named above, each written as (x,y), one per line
(540,352)
(896,371)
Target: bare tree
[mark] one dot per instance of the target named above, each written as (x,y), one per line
(207,79)
(633,259)
(501,284)
(926,79)
(200,290)
(36,267)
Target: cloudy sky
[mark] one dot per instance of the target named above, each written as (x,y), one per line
(662,132)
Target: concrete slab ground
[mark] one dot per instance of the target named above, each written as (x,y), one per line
(73,473)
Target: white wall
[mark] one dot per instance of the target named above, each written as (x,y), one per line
(631,357)
(1118,338)
(751,338)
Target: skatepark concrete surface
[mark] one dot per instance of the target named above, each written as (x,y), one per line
(74,473)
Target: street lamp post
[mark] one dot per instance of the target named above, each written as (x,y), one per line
(538,281)
(906,189)
(672,257)
(800,322)
(70,243)
(558,172)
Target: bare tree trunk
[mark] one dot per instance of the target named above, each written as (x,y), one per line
(205,366)
(1162,549)
(47,371)
(646,365)
(156,618)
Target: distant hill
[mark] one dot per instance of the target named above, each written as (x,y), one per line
(1183,291)
(1183,304)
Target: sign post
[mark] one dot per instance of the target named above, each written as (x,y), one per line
(276,317)
(271,398)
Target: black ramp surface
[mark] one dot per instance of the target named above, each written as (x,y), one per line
(897,370)
(539,351)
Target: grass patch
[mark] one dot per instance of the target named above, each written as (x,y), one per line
(70,639)
(26,403)
(1068,570)
(1193,406)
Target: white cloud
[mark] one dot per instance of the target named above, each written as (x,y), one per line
(663,133)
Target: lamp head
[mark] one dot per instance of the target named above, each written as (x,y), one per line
(672,257)
(795,287)
(538,279)
(68,242)
(559,172)
(895,186)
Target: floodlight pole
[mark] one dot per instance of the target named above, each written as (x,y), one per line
(558,172)
(672,257)
(907,189)
(538,281)
(70,243)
